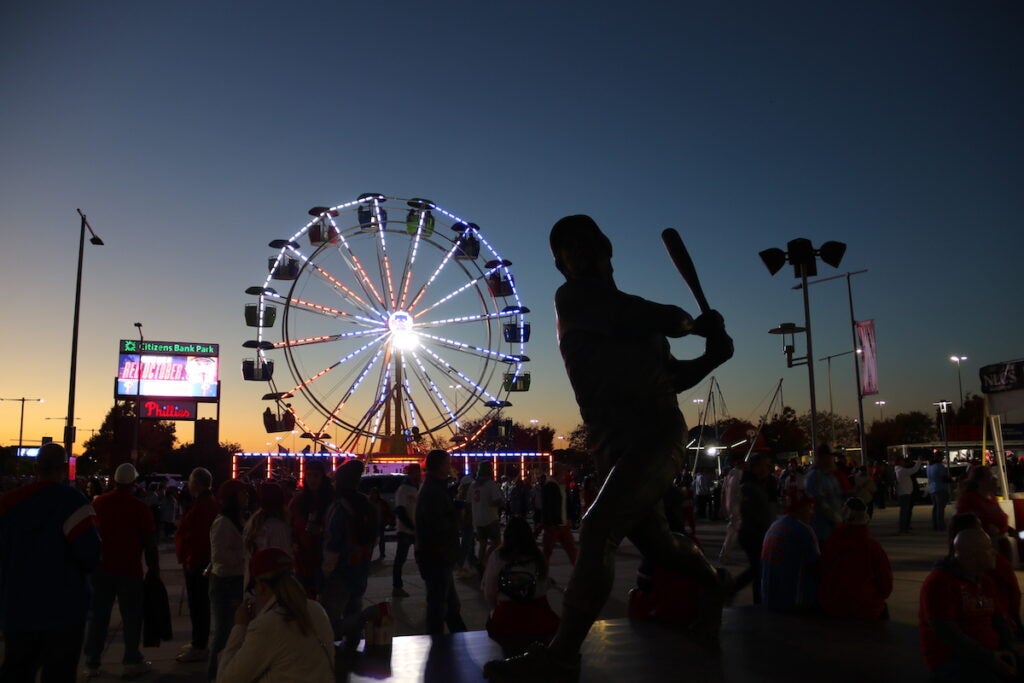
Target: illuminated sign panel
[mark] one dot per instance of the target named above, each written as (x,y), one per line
(168,370)
(153,409)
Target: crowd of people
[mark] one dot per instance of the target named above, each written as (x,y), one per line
(250,551)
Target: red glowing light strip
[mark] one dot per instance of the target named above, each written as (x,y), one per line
(356,299)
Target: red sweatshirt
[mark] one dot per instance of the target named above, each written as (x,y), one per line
(856,576)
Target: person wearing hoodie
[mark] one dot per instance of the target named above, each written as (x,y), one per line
(856,577)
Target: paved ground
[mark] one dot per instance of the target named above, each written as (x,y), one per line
(911,557)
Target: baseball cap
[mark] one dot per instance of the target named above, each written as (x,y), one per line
(230,488)
(125,473)
(269,561)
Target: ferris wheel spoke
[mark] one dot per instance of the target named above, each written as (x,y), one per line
(292,343)
(338,363)
(467,382)
(431,389)
(348,255)
(343,290)
(458,291)
(410,259)
(347,395)
(384,265)
(511,313)
(470,349)
(333,313)
(433,276)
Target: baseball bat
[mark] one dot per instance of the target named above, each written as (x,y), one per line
(684,264)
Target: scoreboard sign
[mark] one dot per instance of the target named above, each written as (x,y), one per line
(168,370)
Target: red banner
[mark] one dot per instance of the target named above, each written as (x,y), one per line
(868,357)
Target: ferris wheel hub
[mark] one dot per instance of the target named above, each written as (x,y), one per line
(403,336)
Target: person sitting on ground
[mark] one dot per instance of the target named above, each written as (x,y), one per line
(279,634)
(1003,574)
(856,577)
(979,497)
(514,585)
(789,557)
(964,636)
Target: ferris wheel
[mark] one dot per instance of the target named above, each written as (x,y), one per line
(398,322)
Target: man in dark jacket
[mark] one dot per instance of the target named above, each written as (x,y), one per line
(758,493)
(192,545)
(437,545)
(49,544)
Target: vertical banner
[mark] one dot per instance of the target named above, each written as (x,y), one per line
(868,357)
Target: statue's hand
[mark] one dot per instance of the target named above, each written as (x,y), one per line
(707,324)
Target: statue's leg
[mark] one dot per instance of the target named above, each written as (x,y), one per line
(632,489)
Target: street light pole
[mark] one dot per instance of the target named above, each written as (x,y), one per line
(69,428)
(881,410)
(831,410)
(802,255)
(856,359)
(21,421)
(138,399)
(959,380)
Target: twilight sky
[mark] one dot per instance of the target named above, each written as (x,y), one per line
(192,134)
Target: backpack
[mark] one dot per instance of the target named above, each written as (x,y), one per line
(517,580)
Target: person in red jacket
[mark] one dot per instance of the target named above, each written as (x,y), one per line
(979,497)
(856,577)
(1003,575)
(192,545)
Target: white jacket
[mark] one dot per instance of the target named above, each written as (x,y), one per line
(273,650)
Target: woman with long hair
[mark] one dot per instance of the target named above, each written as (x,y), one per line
(515,584)
(279,634)
(227,565)
(268,527)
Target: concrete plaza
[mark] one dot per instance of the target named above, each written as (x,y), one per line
(756,645)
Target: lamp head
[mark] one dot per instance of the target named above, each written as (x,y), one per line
(96,240)
(801,256)
(832,253)
(773,259)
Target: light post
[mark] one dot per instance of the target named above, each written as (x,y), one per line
(943,408)
(69,428)
(802,255)
(21,421)
(138,399)
(959,381)
(857,358)
(831,411)
(536,431)
(881,410)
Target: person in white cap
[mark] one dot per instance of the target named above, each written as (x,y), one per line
(128,531)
